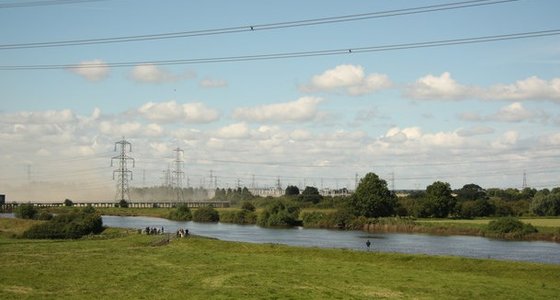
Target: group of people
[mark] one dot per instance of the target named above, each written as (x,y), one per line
(153,230)
(182,232)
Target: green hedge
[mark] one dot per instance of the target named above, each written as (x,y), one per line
(72,225)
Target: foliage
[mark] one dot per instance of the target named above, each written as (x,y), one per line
(291,190)
(248,206)
(473,209)
(122,204)
(206,214)
(372,198)
(510,225)
(181,213)
(233,195)
(340,218)
(44,216)
(26,211)
(310,194)
(546,204)
(279,213)
(471,192)
(68,202)
(439,202)
(71,225)
(242,216)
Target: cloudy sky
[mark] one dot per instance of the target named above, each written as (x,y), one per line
(481,113)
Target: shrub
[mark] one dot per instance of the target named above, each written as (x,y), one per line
(26,211)
(44,216)
(238,217)
(280,213)
(181,213)
(122,204)
(67,226)
(68,202)
(248,206)
(510,227)
(206,214)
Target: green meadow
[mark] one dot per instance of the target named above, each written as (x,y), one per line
(123,265)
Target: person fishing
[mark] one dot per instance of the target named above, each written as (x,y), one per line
(368,244)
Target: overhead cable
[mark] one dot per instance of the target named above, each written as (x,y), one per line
(286,55)
(257,27)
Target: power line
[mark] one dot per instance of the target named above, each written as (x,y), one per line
(21,4)
(257,27)
(286,55)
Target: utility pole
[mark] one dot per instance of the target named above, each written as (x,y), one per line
(211,182)
(178,173)
(122,170)
(253,182)
(524,180)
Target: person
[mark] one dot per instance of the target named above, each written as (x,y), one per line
(368,243)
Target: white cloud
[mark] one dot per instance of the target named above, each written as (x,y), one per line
(149,73)
(514,112)
(431,87)
(213,83)
(301,110)
(348,78)
(532,88)
(39,117)
(120,129)
(444,87)
(234,131)
(473,131)
(174,112)
(92,70)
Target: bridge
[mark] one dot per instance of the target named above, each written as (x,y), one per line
(8,207)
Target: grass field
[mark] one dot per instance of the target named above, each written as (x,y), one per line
(130,267)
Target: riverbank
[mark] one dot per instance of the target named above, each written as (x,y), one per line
(548,228)
(127,265)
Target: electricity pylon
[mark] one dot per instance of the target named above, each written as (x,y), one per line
(122,170)
(178,174)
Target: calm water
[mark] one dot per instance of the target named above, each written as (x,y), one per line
(467,246)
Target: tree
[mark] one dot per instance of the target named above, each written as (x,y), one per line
(311,194)
(471,192)
(439,202)
(546,205)
(280,213)
(291,190)
(122,203)
(372,198)
(68,202)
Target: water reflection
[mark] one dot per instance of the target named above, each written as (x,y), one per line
(467,246)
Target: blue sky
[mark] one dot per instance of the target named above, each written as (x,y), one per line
(473,113)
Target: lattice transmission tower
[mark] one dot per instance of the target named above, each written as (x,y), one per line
(122,170)
(178,173)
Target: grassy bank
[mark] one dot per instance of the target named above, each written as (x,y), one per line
(196,268)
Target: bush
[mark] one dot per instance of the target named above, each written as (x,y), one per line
(280,213)
(238,217)
(510,227)
(206,214)
(68,202)
(67,226)
(122,204)
(248,206)
(44,216)
(181,213)
(26,211)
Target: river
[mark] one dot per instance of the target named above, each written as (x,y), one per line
(466,246)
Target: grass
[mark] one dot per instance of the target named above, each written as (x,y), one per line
(544,225)
(130,267)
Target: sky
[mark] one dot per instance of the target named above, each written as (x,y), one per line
(483,113)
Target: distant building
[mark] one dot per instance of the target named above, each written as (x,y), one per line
(266,192)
